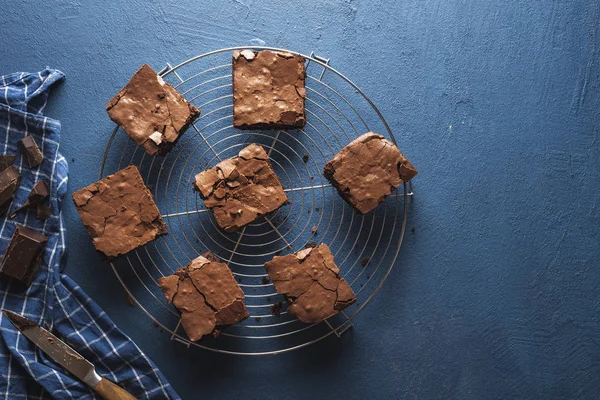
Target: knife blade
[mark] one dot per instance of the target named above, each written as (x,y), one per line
(67,357)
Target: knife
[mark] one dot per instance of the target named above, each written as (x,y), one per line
(64,355)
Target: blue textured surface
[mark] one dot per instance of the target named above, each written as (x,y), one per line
(497,103)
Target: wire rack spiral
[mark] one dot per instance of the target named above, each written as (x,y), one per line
(365,247)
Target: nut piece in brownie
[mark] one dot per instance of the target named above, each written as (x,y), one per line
(367,170)
(268,90)
(206,294)
(119,213)
(311,283)
(151,111)
(241,189)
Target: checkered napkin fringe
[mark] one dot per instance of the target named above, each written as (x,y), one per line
(54,300)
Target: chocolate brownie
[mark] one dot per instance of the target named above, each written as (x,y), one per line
(119,213)
(311,283)
(241,189)
(367,170)
(268,90)
(23,255)
(151,111)
(207,295)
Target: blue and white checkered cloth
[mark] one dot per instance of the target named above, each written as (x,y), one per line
(54,300)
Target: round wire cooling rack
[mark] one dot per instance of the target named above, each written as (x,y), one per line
(365,247)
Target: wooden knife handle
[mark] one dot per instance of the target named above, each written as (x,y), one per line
(110,391)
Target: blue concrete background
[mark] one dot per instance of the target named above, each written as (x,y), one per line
(495,294)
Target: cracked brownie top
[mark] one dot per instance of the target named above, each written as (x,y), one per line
(268,90)
(119,213)
(241,189)
(151,111)
(367,170)
(311,283)
(206,294)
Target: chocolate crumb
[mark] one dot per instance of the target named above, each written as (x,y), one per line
(364,261)
(257,319)
(72,160)
(310,245)
(314,229)
(305,158)
(129,300)
(412,229)
(265,280)
(155,323)
(276,309)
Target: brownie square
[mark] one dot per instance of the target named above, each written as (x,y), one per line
(151,111)
(206,294)
(268,90)
(367,170)
(241,189)
(119,213)
(311,283)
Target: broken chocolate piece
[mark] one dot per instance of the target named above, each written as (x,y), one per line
(6,161)
(119,213)
(207,295)
(367,170)
(43,211)
(10,179)
(311,283)
(241,189)
(31,151)
(39,192)
(151,111)
(23,255)
(268,90)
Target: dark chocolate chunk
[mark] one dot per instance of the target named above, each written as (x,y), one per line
(207,295)
(119,213)
(367,170)
(265,280)
(31,151)
(311,283)
(241,189)
(6,161)
(310,245)
(268,90)
(151,111)
(43,211)
(23,255)
(39,192)
(10,179)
